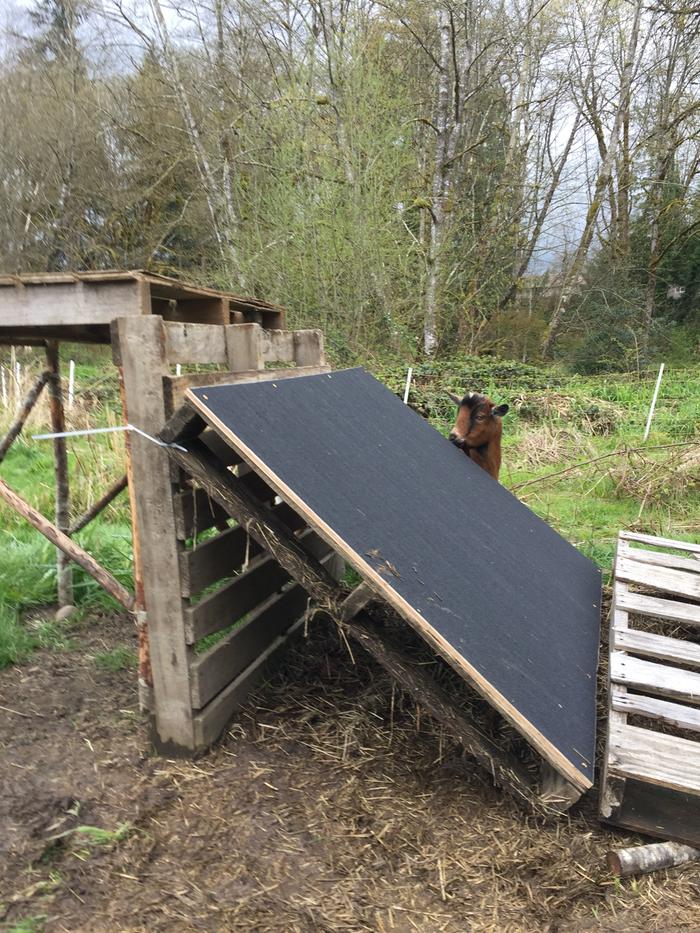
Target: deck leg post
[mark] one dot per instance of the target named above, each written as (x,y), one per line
(58,425)
(141,350)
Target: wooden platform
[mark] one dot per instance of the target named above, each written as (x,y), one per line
(80,306)
(651,780)
(494,590)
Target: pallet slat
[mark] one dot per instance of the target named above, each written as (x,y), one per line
(655,758)
(662,578)
(233,600)
(676,714)
(242,594)
(220,556)
(657,646)
(216,668)
(660,559)
(660,542)
(656,678)
(657,608)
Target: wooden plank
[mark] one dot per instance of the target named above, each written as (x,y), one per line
(676,714)
(60,455)
(212,720)
(653,607)
(308,348)
(655,678)
(194,343)
(244,347)
(69,548)
(141,350)
(68,304)
(677,582)
(659,559)
(651,645)
(224,661)
(242,594)
(28,403)
(277,346)
(655,758)
(660,542)
(218,557)
(119,486)
(176,386)
(658,811)
(352,479)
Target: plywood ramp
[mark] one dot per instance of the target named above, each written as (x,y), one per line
(651,780)
(506,601)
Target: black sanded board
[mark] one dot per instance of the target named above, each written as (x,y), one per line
(496,591)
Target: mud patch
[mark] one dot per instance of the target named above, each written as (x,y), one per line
(331,805)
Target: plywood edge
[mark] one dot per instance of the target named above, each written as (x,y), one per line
(539,742)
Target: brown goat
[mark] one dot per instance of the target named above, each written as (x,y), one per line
(477,430)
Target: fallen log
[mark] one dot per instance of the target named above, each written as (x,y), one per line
(641,859)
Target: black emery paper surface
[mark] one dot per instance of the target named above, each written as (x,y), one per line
(513,598)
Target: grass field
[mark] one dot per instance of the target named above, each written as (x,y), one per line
(555,422)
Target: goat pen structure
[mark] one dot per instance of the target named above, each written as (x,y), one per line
(160,331)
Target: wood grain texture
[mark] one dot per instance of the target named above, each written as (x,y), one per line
(654,607)
(224,661)
(654,678)
(658,558)
(661,542)
(676,714)
(142,352)
(677,582)
(655,758)
(495,591)
(650,645)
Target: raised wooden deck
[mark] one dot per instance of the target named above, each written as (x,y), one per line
(80,306)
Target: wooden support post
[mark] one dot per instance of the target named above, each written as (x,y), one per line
(244,347)
(68,548)
(141,351)
(58,425)
(232,495)
(29,402)
(145,673)
(100,505)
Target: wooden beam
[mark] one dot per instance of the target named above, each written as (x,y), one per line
(69,548)
(58,426)
(194,343)
(29,402)
(101,504)
(141,348)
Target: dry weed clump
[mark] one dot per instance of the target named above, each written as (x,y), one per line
(548,444)
(654,479)
(593,415)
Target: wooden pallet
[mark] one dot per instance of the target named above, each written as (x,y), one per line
(651,775)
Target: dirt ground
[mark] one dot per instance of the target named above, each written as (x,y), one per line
(331,805)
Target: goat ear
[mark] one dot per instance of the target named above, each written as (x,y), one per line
(500,411)
(457,399)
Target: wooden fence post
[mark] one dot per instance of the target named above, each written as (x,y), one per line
(144,364)
(58,425)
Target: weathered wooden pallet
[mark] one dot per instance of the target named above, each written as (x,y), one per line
(651,775)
